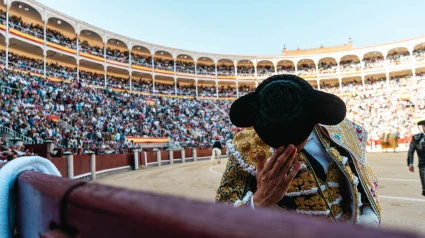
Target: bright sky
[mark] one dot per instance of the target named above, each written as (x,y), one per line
(252,27)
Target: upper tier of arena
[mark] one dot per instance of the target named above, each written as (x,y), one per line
(30,29)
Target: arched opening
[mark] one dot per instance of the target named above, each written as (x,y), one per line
(350,64)
(141,56)
(91,73)
(117,50)
(185,65)
(91,43)
(245,87)
(419,52)
(61,66)
(330,86)
(205,67)
(227,89)
(186,87)
(24,18)
(352,85)
(246,70)
(26,57)
(141,82)
(164,62)
(285,67)
(225,69)
(398,56)
(61,33)
(117,78)
(2,50)
(265,69)
(401,78)
(306,68)
(373,60)
(375,82)
(207,88)
(328,65)
(164,85)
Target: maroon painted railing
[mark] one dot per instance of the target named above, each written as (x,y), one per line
(93,210)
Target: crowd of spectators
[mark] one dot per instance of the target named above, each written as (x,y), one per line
(164,64)
(141,60)
(349,66)
(60,39)
(328,68)
(306,69)
(185,67)
(398,58)
(186,90)
(204,69)
(225,70)
(17,23)
(102,118)
(117,55)
(91,49)
(265,70)
(374,62)
(246,70)
(9,153)
(227,91)
(285,69)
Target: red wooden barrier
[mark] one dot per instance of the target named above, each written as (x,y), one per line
(40,150)
(113,161)
(177,154)
(204,152)
(164,155)
(95,210)
(81,164)
(188,152)
(61,164)
(151,156)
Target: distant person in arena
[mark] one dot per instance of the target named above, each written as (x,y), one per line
(418,144)
(299,153)
(216,151)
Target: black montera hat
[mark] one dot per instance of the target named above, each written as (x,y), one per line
(284,110)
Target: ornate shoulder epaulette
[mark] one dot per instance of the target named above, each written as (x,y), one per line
(245,146)
(349,136)
(418,137)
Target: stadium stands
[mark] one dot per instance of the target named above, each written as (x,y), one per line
(110,86)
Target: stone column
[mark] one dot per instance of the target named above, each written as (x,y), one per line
(70,158)
(136,159)
(50,146)
(183,155)
(158,157)
(92,164)
(195,158)
(171,156)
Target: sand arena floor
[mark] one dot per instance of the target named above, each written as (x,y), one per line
(403,206)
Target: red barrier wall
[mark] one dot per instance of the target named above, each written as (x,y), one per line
(164,155)
(62,164)
(113,161)
(151,156)
(188,152)
(177,154)
(204,152)
(82,164)
(40,150)
(95,210)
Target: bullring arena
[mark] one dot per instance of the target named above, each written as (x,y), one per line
(129,127)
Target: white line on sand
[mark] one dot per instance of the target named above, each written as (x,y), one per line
(212,171)
(401,180)
(405,199)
